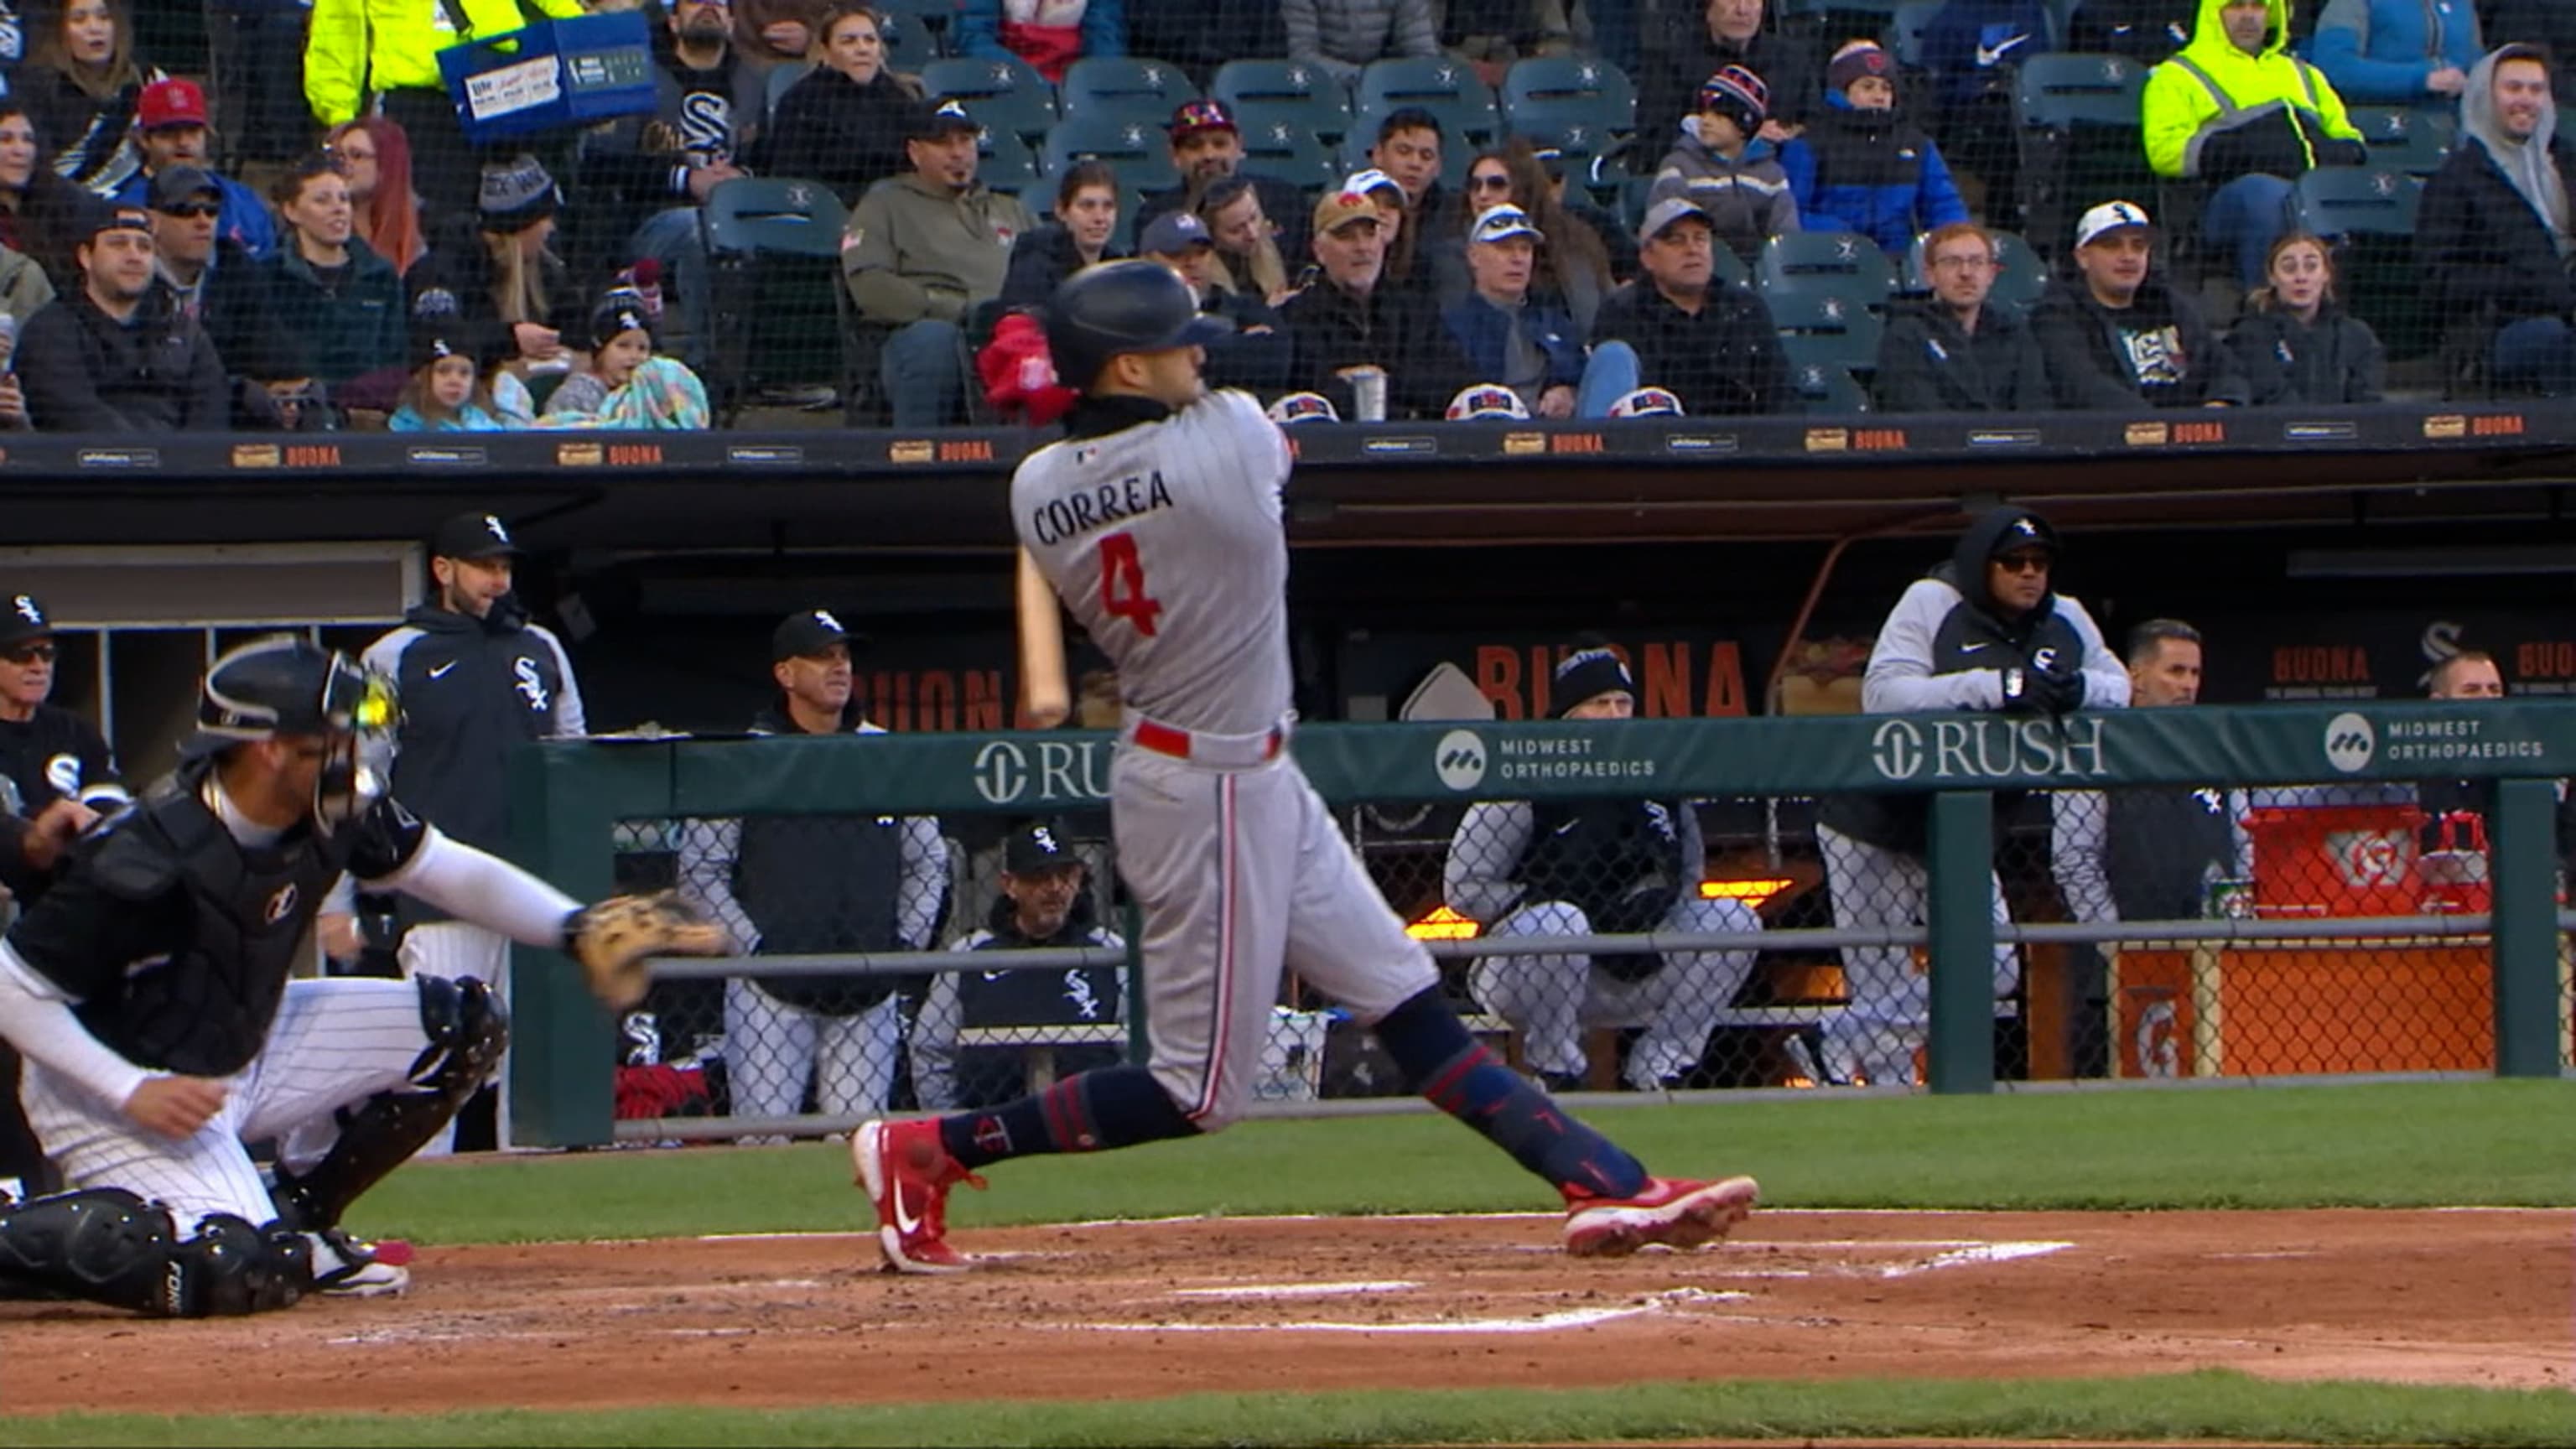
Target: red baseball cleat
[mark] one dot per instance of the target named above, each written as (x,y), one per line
(907,1172)
(1673,1211)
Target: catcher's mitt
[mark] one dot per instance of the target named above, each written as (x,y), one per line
(613,939)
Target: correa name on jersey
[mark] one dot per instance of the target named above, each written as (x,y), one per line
(1130,497)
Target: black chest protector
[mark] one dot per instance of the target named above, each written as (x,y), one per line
(204,1009)
(1619,861)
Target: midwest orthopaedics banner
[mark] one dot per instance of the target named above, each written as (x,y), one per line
(2250,745)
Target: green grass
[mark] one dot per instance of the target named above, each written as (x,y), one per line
(2163,1409)
(2375,1145)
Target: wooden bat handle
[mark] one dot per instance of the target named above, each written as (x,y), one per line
(1046,695)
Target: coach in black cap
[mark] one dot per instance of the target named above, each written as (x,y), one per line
(816,884)
(1046,902)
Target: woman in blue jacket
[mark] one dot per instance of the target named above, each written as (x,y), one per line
(1861,168)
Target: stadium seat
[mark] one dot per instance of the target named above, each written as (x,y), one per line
(1904,35)
(1280,144)
(1827,390)
(782,79)
(773,249)
(1009,165)
(910,43)
(2019,279)
(1574,127)
(1840,262)
(1126,88)
(2403,139)
(1136,150)
(1005,94)
(1826,327)
(2336,201)
(1559,79)
(937,16)
(1446,88)
(2369,215)
(1285,84)
(2078,138)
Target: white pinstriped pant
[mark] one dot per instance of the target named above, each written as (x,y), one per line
(334,1043)
(455,949)
(1550,999)
(1890,1003)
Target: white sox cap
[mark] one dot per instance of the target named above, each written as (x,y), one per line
(2108,217)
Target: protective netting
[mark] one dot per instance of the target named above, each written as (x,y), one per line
(1749,945)
(767,193)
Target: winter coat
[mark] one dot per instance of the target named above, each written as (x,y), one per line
(1723,359)
(916,249)
(1257,362)
(87,140)
(2279,116)
(1344,35)
(1749,200)
(831,129)
(2483,250)
(2378,52)
(1973,46)
(1928,364)
(1039,260)
(231,302)
(1282,205)
(359,47)
(473,690)
(347,329)
(2336,360)
(1394,328)
(85,372)
(1873,173)
(244,219)
(1483,332)
(1687,56)
(1049,34)
(2156,352)
(456,275)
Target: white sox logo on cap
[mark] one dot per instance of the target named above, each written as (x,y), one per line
(493,526)
(27,609)
(824,618)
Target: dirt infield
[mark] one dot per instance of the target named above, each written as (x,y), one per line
(1143,1309)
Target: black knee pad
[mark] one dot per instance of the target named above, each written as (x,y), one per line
(105,1245)
(468,1030)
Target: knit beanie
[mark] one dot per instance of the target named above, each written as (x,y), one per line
(1856,60)
(1583,674)
(1739,95)
(516,194)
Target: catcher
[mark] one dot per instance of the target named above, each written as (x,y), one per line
(149,992)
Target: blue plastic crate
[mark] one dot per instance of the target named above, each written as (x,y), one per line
(551,76)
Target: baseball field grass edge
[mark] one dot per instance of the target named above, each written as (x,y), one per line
(2203,1407)
(2489,1143)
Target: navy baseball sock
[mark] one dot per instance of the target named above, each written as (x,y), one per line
(1443,1062)
(1086,1112)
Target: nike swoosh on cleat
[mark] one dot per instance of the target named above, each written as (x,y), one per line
(904,1222)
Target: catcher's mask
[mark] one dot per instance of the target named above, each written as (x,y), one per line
(283,685)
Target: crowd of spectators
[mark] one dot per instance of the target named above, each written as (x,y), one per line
(388,271)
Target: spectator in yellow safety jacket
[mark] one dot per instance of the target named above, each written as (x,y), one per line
(360,49)
(2236,111)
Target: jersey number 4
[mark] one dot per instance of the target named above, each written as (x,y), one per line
(1122,584)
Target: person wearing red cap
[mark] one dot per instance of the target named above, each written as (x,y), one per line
(170,129)
(1207,148)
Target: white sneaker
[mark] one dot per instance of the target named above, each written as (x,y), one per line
(343,1267)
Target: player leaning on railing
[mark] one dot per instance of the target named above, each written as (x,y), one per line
(148,989)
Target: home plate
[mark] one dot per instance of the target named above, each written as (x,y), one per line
(1296,1290)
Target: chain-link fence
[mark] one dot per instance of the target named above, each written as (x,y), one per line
(1602,942)
(664,215)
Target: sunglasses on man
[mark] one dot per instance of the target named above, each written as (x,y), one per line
(193,209)
(30,653)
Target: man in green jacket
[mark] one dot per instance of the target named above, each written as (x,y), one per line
(388,49)
(2235,110)
(923,248)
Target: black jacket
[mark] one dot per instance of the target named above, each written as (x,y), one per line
(85,372)
(2339,360)
(351,324)
(2157,352)
(1040,259)
(1928,364)
(1686,56)
(1723,359)
(1282,205)
(2439,798)
(454,276)
(831,129)
(473,690)
(1257,362)
(1395,328)
(54,754)
(2480,248)
(232,307)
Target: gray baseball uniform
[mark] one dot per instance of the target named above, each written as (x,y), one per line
(1164,540)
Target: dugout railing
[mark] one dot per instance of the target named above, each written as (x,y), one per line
(2393,965)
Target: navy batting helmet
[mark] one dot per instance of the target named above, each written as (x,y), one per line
(1131,306)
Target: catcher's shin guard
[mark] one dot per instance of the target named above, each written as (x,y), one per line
(105,1245)
(467,1033)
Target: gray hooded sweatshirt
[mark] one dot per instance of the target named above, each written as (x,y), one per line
(2526,164)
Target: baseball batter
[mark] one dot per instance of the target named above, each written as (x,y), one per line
(1157,520)
(149,991)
